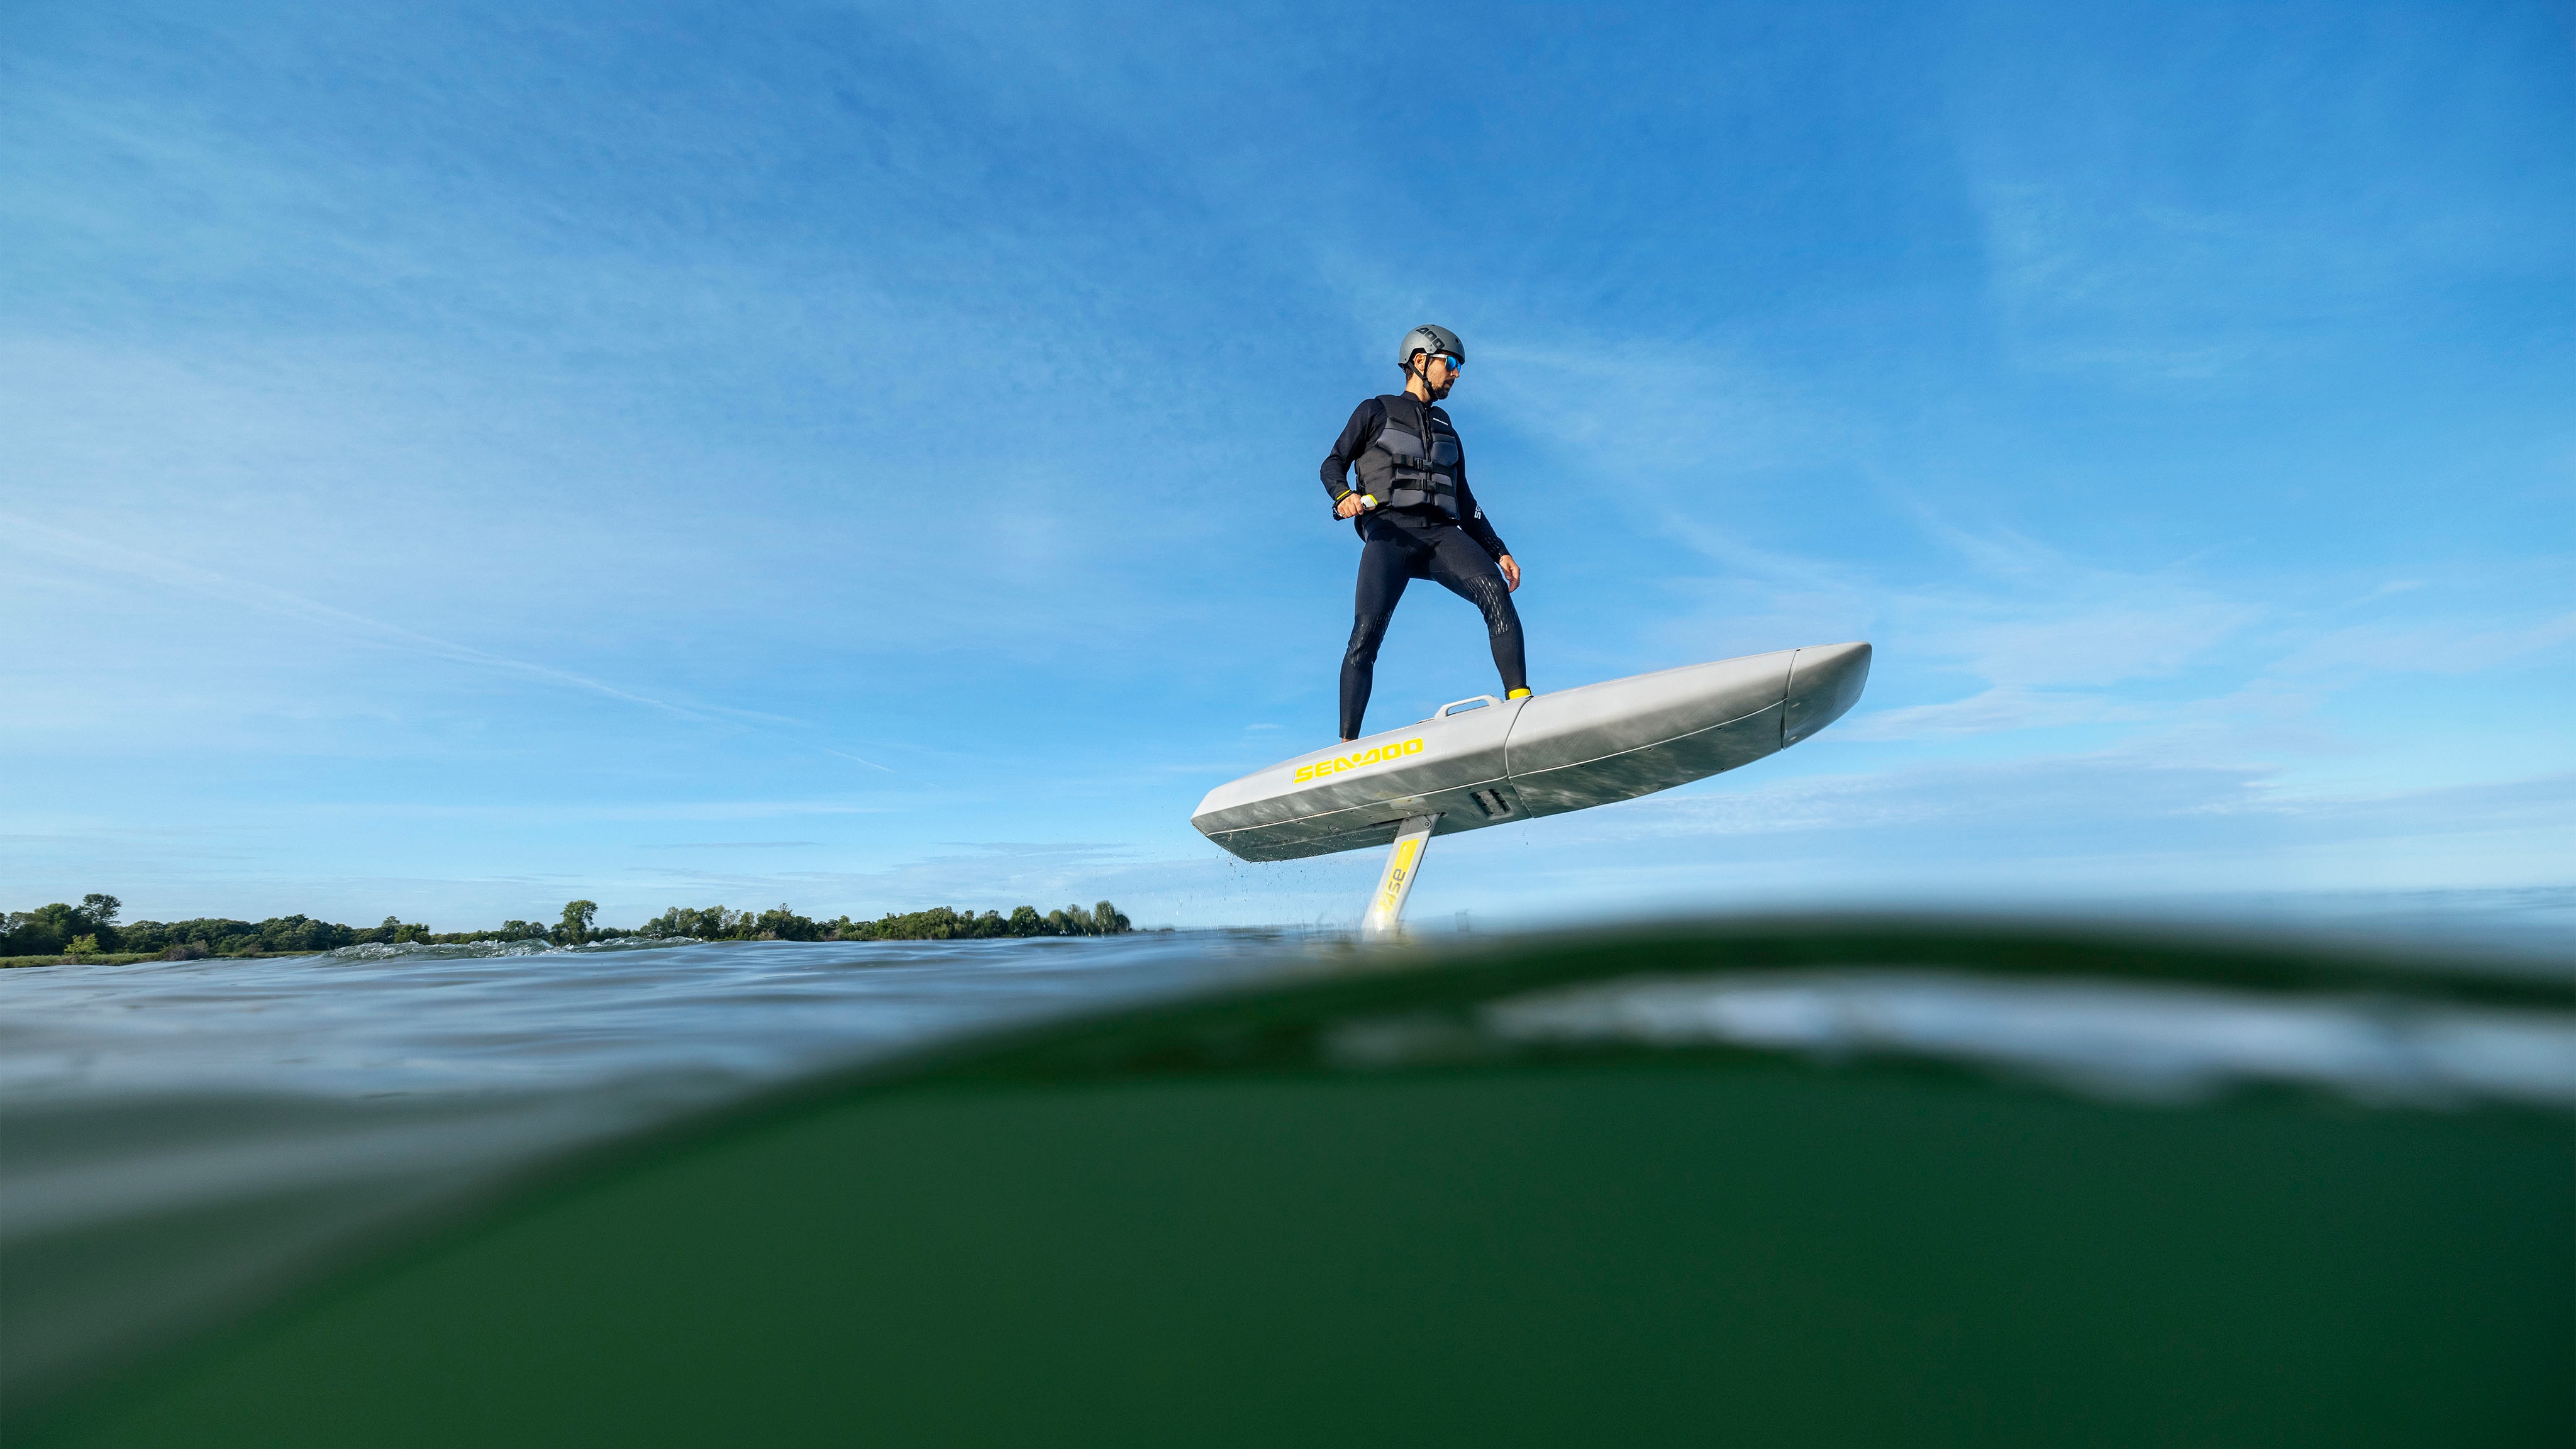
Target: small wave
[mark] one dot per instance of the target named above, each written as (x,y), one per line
(2129,1040)
(481,950)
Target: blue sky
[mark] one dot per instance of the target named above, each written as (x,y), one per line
(461,458)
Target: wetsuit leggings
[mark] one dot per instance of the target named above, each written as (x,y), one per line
(1396,555)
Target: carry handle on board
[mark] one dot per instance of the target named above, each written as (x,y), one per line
(1478,700)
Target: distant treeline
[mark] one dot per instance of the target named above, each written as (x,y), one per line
(92,929)
(939,923)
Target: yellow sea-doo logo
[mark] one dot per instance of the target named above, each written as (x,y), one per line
(1325,769)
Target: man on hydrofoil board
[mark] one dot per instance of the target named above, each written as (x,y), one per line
(1417,518)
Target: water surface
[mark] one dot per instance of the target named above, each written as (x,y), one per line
(183,1138)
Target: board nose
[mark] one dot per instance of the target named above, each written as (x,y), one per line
(1824,682)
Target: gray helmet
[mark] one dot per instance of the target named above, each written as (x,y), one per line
(1427,338)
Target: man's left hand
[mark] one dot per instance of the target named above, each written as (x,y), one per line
(1511,573)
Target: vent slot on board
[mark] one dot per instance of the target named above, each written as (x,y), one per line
(1492,803)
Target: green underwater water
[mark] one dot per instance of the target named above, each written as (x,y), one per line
(1355,1205)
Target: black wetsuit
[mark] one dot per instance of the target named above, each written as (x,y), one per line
(1422,542)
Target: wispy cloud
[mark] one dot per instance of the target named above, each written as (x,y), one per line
(1610,418)
(1993,711)
(734,845)
(2444,648)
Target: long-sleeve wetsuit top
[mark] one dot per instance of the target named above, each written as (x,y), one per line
(1367,421)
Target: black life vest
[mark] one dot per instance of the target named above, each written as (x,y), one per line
(1416,459)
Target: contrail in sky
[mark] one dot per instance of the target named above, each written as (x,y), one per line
(35,537)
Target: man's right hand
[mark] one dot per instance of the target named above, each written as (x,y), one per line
(1349,507)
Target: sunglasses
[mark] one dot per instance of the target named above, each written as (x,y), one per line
(1456,364)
